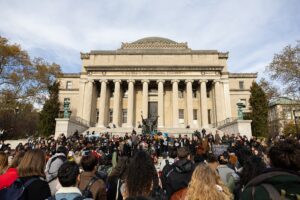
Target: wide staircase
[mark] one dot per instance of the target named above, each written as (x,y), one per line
(171,131)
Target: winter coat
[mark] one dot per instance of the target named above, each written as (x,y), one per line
(8,178)
(179,176)
(51,171)
(98,188)
(67,193)
(37,190)
(224,173)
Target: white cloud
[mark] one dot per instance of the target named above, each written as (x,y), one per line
(252,31)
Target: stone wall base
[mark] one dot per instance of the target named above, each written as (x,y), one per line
(67,127)
(243,127)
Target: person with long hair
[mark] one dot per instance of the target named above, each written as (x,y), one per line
(3,162)
(206,185)
(141,177)
(11,174)
(31,167)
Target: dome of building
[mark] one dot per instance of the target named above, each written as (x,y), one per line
(148,40)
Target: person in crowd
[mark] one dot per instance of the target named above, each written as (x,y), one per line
(180,173)
(223,169)
(11,174)
(3,162)
(205,184)
(31,168)
(282,180)
(67,176)
(89,164)
(141,177)
(212,161)
(253,167)
(52,167)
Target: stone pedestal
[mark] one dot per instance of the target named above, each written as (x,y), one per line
(243,127)
(67,127)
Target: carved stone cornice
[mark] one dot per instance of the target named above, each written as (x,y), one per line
(84,55)
(223,55)
(153,68)
(242,75)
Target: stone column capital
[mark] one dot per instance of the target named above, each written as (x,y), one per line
(203,81)
(103,80)
(225,81)
(160,81)
(175,81)
(145,81)
(189,80)
(117,81)
(130,81)
(217,81)
(90,80)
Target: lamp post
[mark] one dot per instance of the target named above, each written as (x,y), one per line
(296,124)
(16,115)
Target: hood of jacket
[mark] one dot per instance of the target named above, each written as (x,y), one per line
(184,166)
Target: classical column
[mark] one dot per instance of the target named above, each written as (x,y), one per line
(203,99)
(102,103)
(218,100)
(175,103)
(81,98)
(88,101)
(116,108)
(227,99)
(189,103)
(160,103)
(130,103)
(145,98)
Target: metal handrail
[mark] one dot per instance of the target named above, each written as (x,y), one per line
(82,121)
(224,122)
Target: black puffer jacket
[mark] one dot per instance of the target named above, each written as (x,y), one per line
(179,176)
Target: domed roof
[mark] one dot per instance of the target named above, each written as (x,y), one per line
(148,40)
(154,43)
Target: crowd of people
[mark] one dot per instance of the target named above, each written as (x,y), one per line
(159,167)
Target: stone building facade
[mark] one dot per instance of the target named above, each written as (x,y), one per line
(282,111)
(153,77)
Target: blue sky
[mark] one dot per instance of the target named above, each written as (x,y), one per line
(57,30)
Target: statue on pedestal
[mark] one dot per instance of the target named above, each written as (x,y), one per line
(149,124)
(240,106)
(66,109)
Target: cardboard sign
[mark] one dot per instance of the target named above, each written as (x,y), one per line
(219,149)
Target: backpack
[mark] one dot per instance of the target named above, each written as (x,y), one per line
(16,190)
(63,158)
(164,174)
(274,185)
(86,193)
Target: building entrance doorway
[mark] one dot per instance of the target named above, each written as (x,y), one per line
(152,110)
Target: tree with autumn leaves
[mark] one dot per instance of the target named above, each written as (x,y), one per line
(23,82)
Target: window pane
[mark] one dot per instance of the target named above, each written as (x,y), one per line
(181,114)
(180,94)
(124,116)
(241,85)
(110,115)
(69,85)
(195,116)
